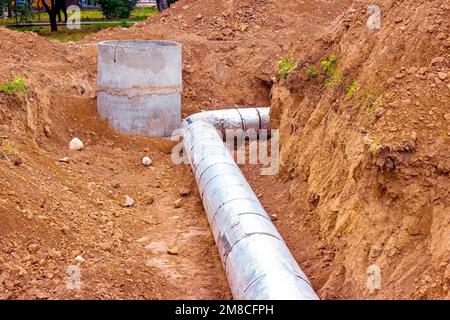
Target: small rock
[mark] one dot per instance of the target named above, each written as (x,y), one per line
(273,217)
(185,192)
(64,159)
(447,117)
(375,251)
(105,246)
(173,251)
(146,161)
(32,248)
(129,202)
(157,247)
(115,184)
(76,144)
(65,229)
(79,259)
(437,60)
(47,131)
(17,161)
(178,203)
(148,198)
(422,71)
(442,75)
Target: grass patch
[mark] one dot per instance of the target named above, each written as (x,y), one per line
(373,143)
(352,89)
(311,72)
(64,34)
(285,66)
(8,150)
(14,87)
(138,14)
(329,67)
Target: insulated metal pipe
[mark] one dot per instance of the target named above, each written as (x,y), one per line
(234,118)
(258,264)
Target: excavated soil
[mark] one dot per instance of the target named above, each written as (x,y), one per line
(361,183)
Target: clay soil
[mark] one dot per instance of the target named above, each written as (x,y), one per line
(356,187)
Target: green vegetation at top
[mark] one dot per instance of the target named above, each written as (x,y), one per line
(64,34)
(331,71)
(117,9)
(352,89)
(8,150)
(16,86)
(90,15)
(285,66)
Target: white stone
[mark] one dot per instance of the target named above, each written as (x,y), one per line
(79,259)
(146,161)
(129,202)
(76,144)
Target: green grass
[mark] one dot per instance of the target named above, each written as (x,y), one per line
(16,86)
(374,144)
(7,150)
(285,66)
(65,34)
(352,89)
(311,72)
(444,134)
(92,15)
(329,67)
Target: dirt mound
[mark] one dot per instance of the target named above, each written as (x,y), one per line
(364,152)
(365,148)
(231,48)
(63,209)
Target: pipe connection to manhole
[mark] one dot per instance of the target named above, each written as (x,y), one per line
(139,88)
(257,262)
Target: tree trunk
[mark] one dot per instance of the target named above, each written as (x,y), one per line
(52,13)
(162,5)
(53,23)
(10,9)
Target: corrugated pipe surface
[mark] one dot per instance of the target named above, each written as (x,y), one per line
(258,264)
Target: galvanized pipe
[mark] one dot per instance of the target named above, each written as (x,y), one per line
(257,262)
(233,118)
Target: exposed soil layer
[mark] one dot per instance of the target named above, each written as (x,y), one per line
(364,177)
(365,149)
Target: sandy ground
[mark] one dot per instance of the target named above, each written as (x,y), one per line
(337,221)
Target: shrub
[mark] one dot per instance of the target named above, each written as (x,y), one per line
(331,71)
(117,9)
(285,66)
(7,150)
(15,86)
(311,72)
(352,89)
(374,144)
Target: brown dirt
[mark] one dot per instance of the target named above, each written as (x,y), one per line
(341,208)
(369,176)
